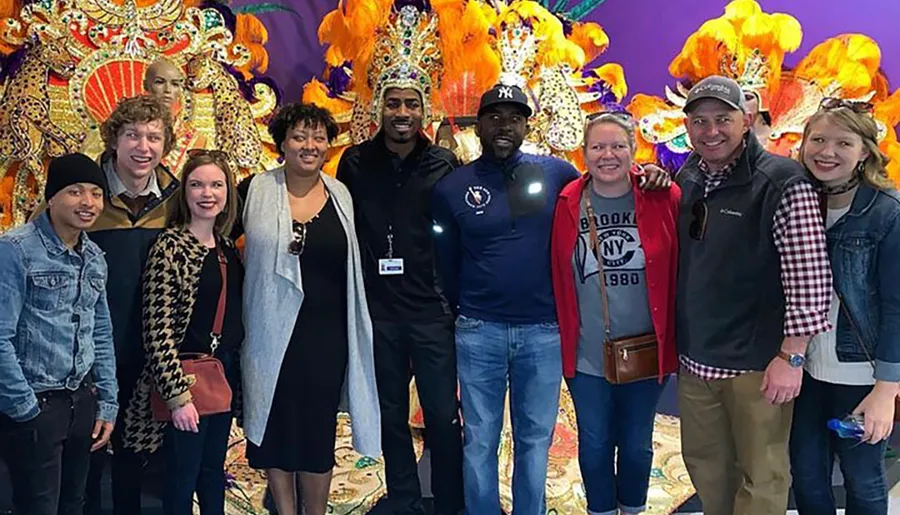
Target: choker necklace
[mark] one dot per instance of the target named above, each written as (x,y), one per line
(840,188)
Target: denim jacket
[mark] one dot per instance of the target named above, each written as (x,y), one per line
(54,321)
(864,247)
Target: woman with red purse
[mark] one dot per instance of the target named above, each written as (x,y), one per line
(192,311)
(616,313)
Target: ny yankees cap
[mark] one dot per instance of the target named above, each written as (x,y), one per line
(502,94)
(720,88)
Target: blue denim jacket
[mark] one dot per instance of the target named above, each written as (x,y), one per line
(54,324)
(864,247)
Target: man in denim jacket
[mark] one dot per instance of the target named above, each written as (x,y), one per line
(57,365)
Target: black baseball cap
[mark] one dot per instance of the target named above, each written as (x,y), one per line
(720,88)
(502,94)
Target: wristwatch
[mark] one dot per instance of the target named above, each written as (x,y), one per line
(794,360)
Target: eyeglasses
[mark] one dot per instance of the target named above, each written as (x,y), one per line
(700,212)
(829,103)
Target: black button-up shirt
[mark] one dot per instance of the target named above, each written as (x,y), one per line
(392,192)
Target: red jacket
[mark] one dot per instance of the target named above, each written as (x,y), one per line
(657,223)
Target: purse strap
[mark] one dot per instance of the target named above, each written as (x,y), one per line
(853,327)
(595,248)
(216,333)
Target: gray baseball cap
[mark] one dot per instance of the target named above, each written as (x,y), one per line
(717,87)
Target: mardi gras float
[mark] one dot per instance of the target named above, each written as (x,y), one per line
(66,64)
(750,45)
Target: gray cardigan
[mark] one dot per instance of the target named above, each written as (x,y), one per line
(273,293)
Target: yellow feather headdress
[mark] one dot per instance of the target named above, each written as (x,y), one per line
(745,44)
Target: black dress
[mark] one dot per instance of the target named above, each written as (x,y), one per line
(300,431)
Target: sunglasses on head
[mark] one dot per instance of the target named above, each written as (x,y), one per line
(215,154)
(830,103)
(621,115)
(700,212)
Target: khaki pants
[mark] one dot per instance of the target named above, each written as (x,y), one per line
(735,445)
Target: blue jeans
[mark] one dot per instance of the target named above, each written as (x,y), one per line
(196,462)
(528,356)
(814,447)
(614,417)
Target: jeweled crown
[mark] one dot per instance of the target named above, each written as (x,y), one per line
(406,55)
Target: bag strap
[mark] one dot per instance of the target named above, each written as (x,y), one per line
(216,333)
(853,327)
(595,247)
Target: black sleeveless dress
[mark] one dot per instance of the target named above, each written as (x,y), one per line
(300,431)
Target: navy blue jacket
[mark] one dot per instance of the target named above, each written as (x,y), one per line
(492,224)
(864,246)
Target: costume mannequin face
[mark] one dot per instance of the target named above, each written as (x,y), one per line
(832,152)
(164,81)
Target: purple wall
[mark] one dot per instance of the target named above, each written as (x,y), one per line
(644,34)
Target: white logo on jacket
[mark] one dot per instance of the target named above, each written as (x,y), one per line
(478,197)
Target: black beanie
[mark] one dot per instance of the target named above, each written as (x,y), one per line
(70,169)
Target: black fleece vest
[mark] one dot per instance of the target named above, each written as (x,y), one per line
(730,301)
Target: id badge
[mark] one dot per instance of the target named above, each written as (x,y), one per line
(390,266)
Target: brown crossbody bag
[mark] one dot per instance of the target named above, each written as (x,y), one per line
(862,346)
(625,359)
(210,393)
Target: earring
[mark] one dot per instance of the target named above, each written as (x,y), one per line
(861,167)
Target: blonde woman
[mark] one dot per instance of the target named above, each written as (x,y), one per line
(854,369)
(637,233)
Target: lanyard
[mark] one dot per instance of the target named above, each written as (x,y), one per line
(390,240)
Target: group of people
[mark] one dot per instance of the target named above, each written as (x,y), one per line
(762,281)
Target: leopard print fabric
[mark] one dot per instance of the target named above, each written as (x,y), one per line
(236,132)
(171,282)
(27,133)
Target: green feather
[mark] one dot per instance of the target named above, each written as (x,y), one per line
(582,9)
(560,5)
(263,8)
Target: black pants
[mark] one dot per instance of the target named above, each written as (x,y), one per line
(196,462)
(127,466)
(48,456)
(429,347)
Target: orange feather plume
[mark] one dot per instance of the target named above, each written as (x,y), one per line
(591,38)
(252,34)
(315,92)
(851,61)
(467,44)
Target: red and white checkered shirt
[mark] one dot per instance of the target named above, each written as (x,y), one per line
(805,269)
